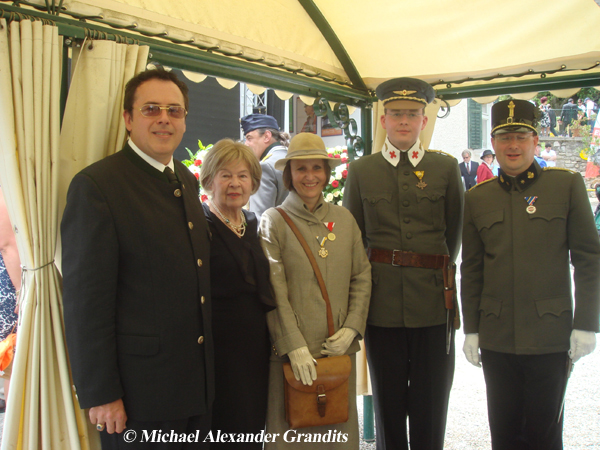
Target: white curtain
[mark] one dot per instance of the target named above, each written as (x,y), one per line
(40,411)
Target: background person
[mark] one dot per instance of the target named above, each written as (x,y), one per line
(545,120)
(485,171)
(241,293)
(407,202)
(528,331)
(568,114)
(269,146)
(136,268)
(298,326)
(10,285)
(468,169)
(549,155)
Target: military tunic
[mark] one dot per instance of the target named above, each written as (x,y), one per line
(515,273)
(271,192)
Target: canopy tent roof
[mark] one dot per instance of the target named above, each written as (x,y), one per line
(347,47)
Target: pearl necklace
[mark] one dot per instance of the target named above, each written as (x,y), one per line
(239,230)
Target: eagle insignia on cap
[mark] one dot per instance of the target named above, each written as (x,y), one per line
(405,92)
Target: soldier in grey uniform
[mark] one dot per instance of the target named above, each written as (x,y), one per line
(407,202)
(269,145)
(519,312)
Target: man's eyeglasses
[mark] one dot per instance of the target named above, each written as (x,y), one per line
(410,115)
(176,112)
(518,137)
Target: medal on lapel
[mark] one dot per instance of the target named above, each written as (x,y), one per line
(322,251)
(530,201)
(330,226)
(420,174)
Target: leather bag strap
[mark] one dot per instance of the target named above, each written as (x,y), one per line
(313,263)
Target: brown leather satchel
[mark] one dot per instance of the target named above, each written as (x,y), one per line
(325,402)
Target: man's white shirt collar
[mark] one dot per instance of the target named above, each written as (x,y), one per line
(392,154)
(154,163)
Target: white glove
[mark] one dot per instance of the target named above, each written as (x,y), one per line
(582,343)
(303,365)
(337,344)
(471,349)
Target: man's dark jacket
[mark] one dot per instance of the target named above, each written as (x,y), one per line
(469,177)
(137,289)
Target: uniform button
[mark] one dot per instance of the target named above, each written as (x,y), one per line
(405,187)
(199,263)
(202,299)
(191,225)
(177,193)
(182,186)
(405,203)
(406,172)
(408,235)
(200,339)
(434,198)
(406,220)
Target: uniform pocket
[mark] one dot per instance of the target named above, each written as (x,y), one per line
(490,305)
(550,212)
(487,220)
(432,203)
(374,205)
(554,306)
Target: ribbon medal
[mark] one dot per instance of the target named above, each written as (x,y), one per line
(330,226)
(420,174)
(322,251)
(530,201)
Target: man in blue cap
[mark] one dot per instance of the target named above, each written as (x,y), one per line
(269,145)
(523,319)
(407,202)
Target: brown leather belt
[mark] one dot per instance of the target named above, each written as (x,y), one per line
(407,259)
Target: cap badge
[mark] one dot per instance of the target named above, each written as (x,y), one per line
(511,113)
(405,92)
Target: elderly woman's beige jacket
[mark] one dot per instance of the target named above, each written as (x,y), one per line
(300,318)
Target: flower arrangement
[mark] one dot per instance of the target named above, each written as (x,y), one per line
(334,192)
(194,164)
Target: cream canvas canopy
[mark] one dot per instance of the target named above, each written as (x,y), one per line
(339,50)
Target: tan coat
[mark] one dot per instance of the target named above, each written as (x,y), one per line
(300,318)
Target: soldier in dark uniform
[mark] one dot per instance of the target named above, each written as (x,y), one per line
(408,204)
(523,319)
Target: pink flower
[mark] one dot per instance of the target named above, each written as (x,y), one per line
(198,162)
(344,174)
(336,156)
(330,155)
(344,159)
(197,175)
(204,198)
(335,183)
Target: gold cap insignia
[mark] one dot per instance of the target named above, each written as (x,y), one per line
(405,92)
(511,112)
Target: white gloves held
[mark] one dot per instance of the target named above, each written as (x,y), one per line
(471,349)
(582,343)
(303,365)
(337,344)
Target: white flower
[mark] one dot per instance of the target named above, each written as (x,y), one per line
(329,197)
(336,194)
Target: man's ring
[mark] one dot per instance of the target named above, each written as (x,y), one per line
(99,427)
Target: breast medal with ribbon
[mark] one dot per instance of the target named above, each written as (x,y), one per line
(530,201)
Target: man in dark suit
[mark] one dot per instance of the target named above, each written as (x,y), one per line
(468,169)
(136,281)
(567,114)
(407,202)
(526,321)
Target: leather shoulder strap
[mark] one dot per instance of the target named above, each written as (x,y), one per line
(315,267)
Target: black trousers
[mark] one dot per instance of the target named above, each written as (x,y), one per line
(524,394)
(411,375)
(184,434)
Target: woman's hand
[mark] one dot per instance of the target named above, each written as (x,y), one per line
(337,344)
(303,365)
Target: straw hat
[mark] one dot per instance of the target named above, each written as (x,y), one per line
(307,146)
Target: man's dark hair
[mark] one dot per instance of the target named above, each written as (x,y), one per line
(159,74)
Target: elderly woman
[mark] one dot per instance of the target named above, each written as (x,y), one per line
(298,326)
(485,170)
(240,290)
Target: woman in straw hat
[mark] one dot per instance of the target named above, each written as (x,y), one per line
(298,326)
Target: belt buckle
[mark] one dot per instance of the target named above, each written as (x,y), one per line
(394,258)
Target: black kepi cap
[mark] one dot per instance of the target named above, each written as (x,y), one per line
(255,121)
(514,116)
(405,89)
